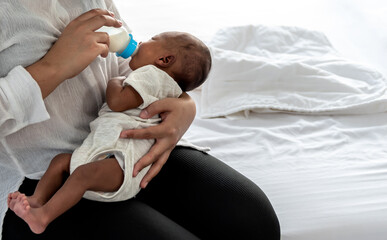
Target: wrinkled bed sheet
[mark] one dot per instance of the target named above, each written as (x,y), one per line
(292,69)
(306,125)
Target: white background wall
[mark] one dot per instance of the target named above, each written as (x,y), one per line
(356,28)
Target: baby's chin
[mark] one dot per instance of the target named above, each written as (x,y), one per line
(132,64)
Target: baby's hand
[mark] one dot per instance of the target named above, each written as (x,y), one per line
(118,81)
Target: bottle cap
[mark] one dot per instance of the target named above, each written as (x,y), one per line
(130,49)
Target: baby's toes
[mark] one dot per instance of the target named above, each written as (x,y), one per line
(14,195)
(26,205)
(9,199)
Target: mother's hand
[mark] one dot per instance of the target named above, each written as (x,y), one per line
(74,50)
(177,115)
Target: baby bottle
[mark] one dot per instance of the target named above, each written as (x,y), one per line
(121,42)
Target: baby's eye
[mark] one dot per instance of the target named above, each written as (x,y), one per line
(154,38)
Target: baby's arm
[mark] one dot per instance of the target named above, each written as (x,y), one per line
(120,98)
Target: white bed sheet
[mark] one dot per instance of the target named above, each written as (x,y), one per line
(326,176)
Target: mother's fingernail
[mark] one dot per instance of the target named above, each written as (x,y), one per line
(144,114)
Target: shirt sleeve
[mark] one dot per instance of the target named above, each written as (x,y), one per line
(152,84)
(21,102)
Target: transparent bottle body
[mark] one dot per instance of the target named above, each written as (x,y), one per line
(118,38)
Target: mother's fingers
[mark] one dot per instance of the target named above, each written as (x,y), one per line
(153,155)
(96,18)
(154,169)
(102,37)
(92,13)
(145,161)
(103,20)
(157,131)
(103,41)
(158,107)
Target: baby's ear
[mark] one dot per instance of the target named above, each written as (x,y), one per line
(165,61)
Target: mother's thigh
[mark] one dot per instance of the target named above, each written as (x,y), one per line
(130,219)
(210,199)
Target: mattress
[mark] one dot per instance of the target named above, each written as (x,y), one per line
(324,172)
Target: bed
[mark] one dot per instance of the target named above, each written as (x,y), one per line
(313,133)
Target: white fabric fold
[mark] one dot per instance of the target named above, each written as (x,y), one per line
(291,69)
(21,102)
(164,86)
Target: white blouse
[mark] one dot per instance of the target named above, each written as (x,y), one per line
(33,130)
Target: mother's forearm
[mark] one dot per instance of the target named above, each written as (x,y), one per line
(77,46)
(190,106)
(46,75)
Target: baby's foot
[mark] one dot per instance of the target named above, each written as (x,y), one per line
(23,209)
(34,202)
(12,199)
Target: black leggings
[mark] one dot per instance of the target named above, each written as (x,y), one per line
(195,196)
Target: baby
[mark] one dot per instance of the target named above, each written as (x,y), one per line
(102,167)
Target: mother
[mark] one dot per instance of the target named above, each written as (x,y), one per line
(54,70)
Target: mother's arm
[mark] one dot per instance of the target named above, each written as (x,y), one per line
(20,101)
(75,49)
(177,115)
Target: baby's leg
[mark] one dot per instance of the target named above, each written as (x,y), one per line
(104,175)
(52,180)
(22,208)
(48,185)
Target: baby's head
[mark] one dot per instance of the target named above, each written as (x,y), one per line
(184,57)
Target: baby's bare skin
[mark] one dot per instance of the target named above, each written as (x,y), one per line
(18,203)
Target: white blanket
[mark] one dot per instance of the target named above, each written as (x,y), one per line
(265,69)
